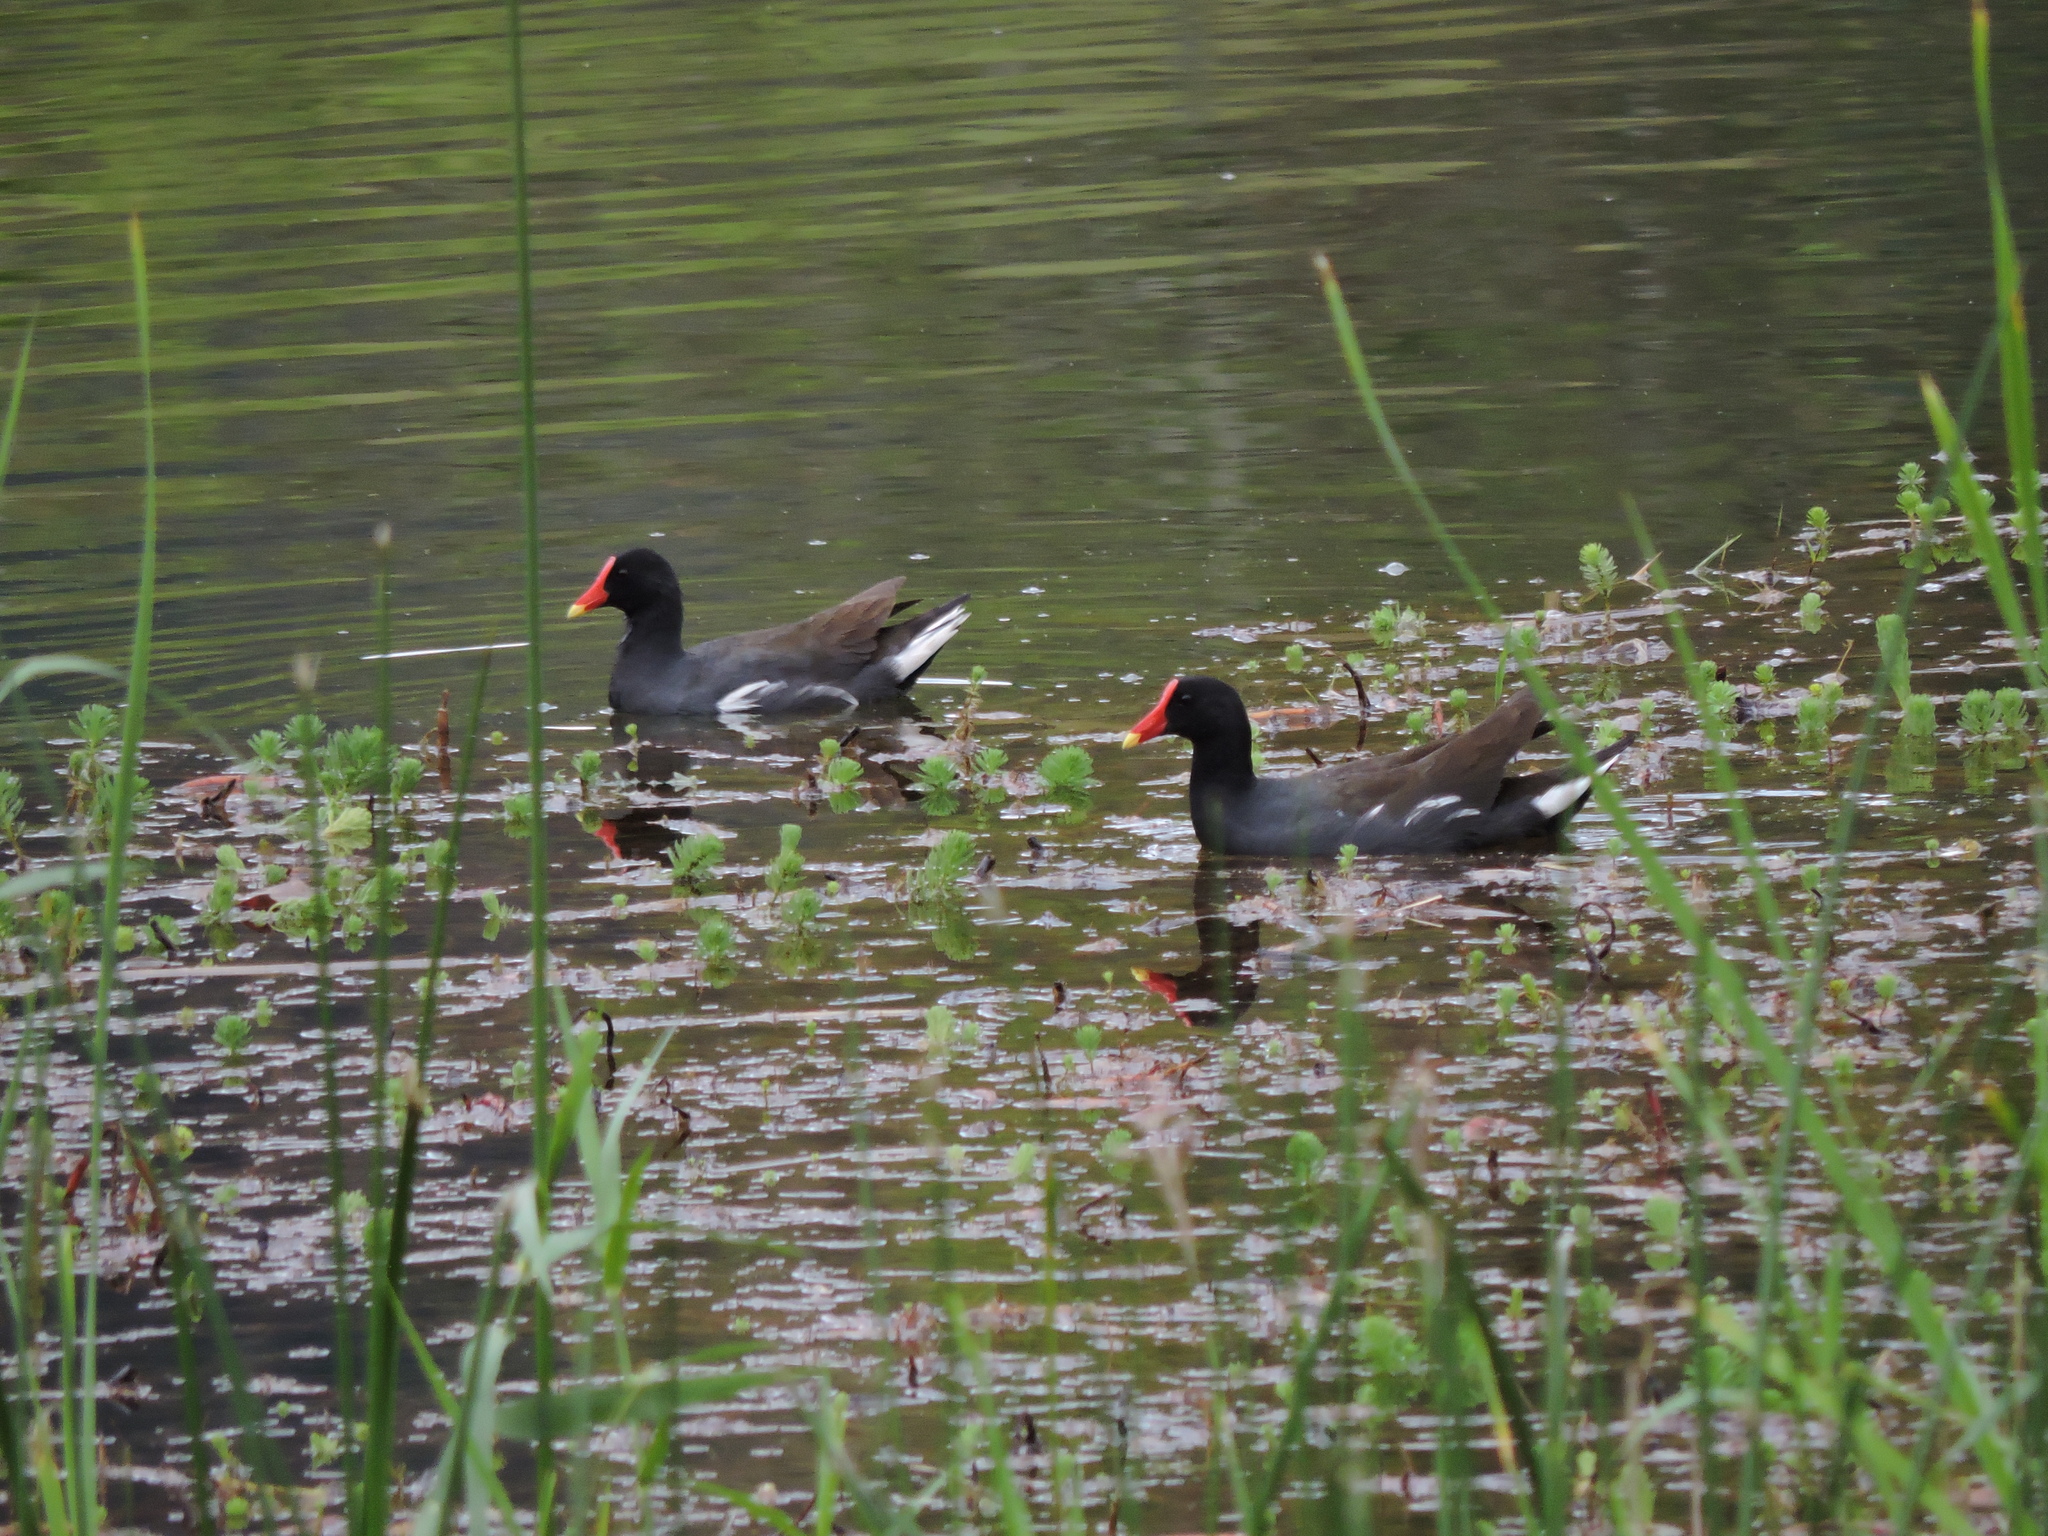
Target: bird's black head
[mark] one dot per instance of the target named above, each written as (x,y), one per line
(1199,708)
(633,583)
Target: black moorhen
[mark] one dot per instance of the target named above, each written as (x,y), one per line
(843,657)
(1448,796)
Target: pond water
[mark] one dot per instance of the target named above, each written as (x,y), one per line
(1017,300)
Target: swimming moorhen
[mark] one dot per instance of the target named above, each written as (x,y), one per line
(1447,796)
(843,657)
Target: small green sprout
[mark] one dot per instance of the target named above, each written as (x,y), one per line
(1819,528)
(1305,1156)
(231,1033)
(715,938)
(787,867)
(1599,572)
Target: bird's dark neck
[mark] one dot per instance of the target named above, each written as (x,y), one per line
(1222,773)
(655,630)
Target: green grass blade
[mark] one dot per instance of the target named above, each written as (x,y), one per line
(529,503)
(2015,376)
(135,709)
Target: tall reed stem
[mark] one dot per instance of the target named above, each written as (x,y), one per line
(536,767)
(84,1489)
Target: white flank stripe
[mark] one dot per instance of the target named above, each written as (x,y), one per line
(746,698)
(1433,803)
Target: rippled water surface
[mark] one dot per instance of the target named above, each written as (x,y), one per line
(1015,299)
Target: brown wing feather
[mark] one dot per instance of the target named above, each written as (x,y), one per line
(847,633)
(1470,766)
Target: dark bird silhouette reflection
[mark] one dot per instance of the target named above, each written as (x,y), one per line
(640,835)
(1222,988)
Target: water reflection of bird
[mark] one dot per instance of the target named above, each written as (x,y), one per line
(663,751)
(838,659)
(1219,991)
(638,835)
(1452,795)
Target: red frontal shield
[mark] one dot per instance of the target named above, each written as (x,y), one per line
(596,597)
(1155,722)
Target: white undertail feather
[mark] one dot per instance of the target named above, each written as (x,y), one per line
(1559,798)
(923,647)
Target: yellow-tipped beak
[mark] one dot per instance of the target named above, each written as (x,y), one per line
(1132,739)
(596,596)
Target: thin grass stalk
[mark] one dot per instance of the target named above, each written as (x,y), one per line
(1722,775)
(1261,1515)
(451,1483)
(1975,505)
(79,1489)
(374,1503)
(14,396)
(1461,1297)
(346,1400)
(1960,1379)
(134,710)
(1696,1269)
(1557,1355)
(529,499)
(380,1355)
(15,1410)
(2015,374)
(192,1399)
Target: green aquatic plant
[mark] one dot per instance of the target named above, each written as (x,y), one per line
(801,911)
(517,813)
(2009,713)
(837,767)
(13,808)
(1812,616)
(1392,622)
(1067,770)
(945,864)
(715,937)
(1819,530)
(1817,711)
(1599,572)
(1892,650)
(693,861)
(1306,1156)
(787,867)
(406,774)
(266,751)
(1917,719)
(1458,709)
